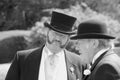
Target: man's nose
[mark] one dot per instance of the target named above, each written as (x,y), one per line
(57,37)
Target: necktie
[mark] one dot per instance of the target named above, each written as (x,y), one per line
(50,65)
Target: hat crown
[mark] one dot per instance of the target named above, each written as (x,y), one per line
(62,22)
(91,27)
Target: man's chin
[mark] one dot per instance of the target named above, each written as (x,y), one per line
(58,46)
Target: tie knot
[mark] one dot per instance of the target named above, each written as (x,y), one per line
(52,56)
(53,59)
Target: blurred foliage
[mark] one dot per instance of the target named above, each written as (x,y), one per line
(9,47)
(15,40)
(107,7)
(31,14)
(11,42)
(82,13)
(22,14)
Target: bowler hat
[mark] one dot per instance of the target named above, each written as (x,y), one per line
(61,23)
(92,29)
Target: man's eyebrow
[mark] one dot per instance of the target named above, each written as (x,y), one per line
(59,33)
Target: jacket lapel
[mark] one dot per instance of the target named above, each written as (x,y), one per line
(97,61)
(34,64)
(94,65)
(71,68)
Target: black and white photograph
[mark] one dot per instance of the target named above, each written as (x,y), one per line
(59,39)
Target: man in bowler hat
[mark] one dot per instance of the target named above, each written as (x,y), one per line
(50,61)
(95,45)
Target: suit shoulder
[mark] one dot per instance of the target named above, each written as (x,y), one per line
(73,54)
(26,52)
(111,60)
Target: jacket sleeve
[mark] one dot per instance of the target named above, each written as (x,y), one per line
(14,70)
(106,72)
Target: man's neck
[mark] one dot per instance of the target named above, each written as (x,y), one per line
(53,49)
(92,54)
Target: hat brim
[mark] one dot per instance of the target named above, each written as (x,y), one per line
(92,36)
(63,32)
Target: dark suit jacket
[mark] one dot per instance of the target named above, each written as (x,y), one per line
(26,65)
(107,68)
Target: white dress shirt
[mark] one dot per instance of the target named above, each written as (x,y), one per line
(60,72)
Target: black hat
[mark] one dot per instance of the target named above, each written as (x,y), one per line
(92,29)
(61,23)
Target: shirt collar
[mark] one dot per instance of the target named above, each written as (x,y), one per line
(98,54)
(50,53)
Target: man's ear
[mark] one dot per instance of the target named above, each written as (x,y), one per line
(69,37)
(47,30)
(47,33)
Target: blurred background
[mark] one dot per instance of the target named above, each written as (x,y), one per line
(21,23)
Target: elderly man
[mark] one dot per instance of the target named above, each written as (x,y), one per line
(95,45)
(51,61)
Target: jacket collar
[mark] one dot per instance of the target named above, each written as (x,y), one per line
(33,63)
(97,55)
(35,60)
(72,70)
